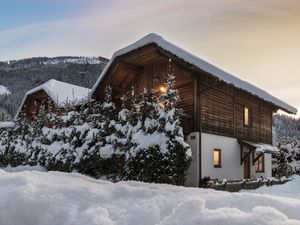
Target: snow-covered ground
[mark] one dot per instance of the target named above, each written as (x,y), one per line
(4,90)
(288,190)
(32,197)
(7,124)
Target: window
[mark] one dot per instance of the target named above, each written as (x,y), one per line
(217,158)
(137,108)
(260,163)
(247,116)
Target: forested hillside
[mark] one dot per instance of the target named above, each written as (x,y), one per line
(285,126)
(286,136)
(19,76)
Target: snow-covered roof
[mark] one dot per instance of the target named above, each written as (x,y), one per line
(62,94)
(201,64)
(264,148)
(7,124)
(261,147)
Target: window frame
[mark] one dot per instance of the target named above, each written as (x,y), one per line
(257,164)
(249,116)
(220,158)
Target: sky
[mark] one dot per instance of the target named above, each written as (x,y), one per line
(258,41)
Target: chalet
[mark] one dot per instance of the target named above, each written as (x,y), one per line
(55,93)
(228,121)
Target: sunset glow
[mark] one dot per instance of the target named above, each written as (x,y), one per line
(257,41)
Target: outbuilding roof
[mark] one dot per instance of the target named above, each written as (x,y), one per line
(61,93)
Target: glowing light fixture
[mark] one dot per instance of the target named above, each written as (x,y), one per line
(162,89)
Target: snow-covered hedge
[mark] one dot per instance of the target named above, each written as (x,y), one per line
(287,161)
(144,142)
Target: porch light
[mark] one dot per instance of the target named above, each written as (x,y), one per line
(162,89)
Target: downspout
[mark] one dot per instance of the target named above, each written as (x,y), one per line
(200,127)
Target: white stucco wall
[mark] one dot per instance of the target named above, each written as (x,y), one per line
(230,159)
(192,178)
(230,156)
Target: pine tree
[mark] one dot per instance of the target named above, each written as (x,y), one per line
(166,158)
(100,158)
(179,152)
(108,115)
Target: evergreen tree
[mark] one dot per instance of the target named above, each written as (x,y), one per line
(98,159)
(159,153)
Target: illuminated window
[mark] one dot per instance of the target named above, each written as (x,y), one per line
(137,108)
(260,164)
(247,116)
(217,158)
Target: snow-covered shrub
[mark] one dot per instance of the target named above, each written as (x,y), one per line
(287,161)
(286,135)
(144,142)
(99,157)
(13,144)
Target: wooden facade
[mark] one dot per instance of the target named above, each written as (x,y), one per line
(33,102)
(53,95)
(210,105)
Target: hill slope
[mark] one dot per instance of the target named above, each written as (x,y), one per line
(19,76)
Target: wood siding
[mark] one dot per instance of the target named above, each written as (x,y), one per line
(222,112)
(33,103)
(219,105)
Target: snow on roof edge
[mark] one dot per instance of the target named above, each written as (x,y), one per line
(7,124)
(201,64)
(47,86)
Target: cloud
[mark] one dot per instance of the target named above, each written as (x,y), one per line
(95,28)
(258,40)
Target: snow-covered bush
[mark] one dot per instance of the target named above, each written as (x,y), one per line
(286,136)
(100,158)
(144,142)
(287,161)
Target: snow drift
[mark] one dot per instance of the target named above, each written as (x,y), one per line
(32,197)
